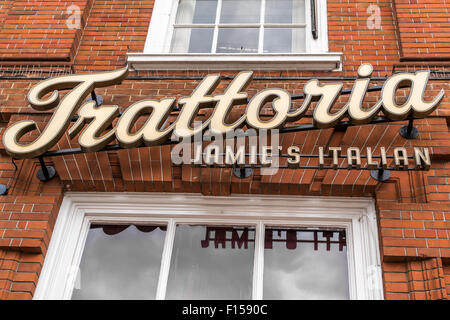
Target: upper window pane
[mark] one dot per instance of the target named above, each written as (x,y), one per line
(120,262)
(305,264)
(196,11)
(211,263)
(240,11)
(285,11)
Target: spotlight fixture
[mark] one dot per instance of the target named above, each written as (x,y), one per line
(242,172)
(3,190)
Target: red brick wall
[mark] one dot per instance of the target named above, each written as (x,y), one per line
(37,30)
(413,207)
(114,28)
(424,28)
(4,6)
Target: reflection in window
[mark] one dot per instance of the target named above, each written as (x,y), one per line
(305,264)
(211,263)
(239,11)
(193,40)
(196,11)
(284,40)
(237,40)
(120,262)
(285,11)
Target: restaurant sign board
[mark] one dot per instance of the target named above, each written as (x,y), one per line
(94,124)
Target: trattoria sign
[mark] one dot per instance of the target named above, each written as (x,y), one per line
(94,123)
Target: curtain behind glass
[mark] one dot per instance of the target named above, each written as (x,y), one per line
(120,262)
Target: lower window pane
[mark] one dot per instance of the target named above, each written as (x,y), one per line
(120,262)
(237,40)
(284,40)
(305,264)
(192,40)
(211,263)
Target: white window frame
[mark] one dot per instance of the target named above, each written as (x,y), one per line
(79,210)
(156,55)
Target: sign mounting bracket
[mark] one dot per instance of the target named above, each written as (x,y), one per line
(409,132)
(45,173)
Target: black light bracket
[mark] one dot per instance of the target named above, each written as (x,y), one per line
(409,132)
(380,174)
(96,97)
(242,172)
(45,173)
(3,190)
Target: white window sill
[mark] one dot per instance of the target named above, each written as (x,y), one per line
(278,61)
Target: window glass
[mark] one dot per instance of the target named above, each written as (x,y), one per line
(285,11)
(120,262)
(240,11)
(237,40)
(284,40)
(196,11)
(305,264)
(211,263)
(193,40)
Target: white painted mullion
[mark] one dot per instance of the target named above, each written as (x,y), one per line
(161,26)
(191,25)
(216,26)
(239,25)
(261,27)
(165,261)
(171,22)
(84,226)
(258,263)
(284,25)
(308,32)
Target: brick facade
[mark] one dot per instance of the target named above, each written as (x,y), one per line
(413,207)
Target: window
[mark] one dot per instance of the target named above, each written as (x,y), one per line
(239,26)
(228,34)
(212,262)
(168,246)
